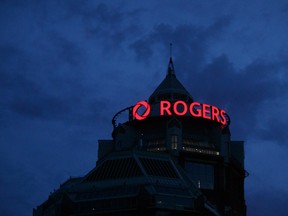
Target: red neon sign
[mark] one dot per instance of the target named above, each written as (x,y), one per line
(181,108)
(146,112)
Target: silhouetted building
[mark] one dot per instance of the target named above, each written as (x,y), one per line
(176,158)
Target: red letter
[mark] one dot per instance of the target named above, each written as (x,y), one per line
(206,111)
(222,114)
(191,109)
(184,108)
(215,114)
(165,105)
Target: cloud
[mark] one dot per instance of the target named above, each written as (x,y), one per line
(46,93)
(191,41)
(243,94)
(111,25)
(64,50)
(48,75)
(22,94)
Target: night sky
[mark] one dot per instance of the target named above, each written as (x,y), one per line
(66,67)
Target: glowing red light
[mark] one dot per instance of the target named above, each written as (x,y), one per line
(198,112)
(175,108)
(146,112)
(206,111)
(165,106)
(222,114)
(181,108)
(215,113)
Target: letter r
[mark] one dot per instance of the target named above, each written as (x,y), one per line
(165,106)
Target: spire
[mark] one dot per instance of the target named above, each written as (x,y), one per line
(170,70)
(170,88)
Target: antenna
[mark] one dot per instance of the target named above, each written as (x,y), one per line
(171,50)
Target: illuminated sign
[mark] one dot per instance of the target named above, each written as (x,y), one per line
(146,112)
(181,108)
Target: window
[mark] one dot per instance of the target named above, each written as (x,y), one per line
(156,145)
(193,143)
(174,142)
(201,174)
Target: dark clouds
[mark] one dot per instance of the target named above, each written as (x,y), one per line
(190,41)
(67,67)
(26,95)
(242,92)
(110,24)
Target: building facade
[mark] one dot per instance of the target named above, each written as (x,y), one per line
(173,156)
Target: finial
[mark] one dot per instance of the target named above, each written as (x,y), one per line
(171,50)
(170,65)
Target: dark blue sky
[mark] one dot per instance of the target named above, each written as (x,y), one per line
(66,67)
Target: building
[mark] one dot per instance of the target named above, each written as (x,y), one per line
(175,158)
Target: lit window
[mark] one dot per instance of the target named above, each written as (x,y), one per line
(156,142)
(174,141)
